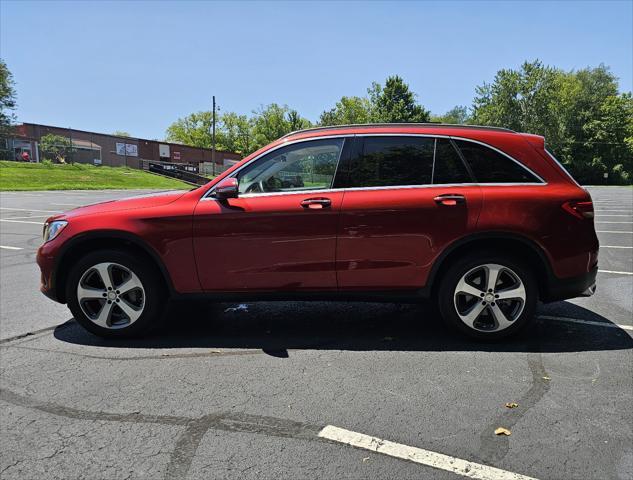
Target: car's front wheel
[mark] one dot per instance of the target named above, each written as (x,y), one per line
(114,294)
(488,295)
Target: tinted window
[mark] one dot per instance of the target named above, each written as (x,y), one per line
(391,161)
(449,167)
(489,166)
(303,166)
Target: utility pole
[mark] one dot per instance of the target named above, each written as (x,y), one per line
(213,138)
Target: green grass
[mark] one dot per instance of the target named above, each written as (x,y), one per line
(46,176)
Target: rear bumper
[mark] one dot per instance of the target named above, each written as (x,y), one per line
(580,286)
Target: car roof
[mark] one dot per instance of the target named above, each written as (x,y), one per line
(435,128)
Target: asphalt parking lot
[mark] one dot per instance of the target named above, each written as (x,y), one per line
(298,390)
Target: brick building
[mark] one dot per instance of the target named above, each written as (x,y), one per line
(110,150)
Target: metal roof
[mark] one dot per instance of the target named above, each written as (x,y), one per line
(382,125)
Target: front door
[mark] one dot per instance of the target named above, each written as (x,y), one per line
(280,233)
(408,198)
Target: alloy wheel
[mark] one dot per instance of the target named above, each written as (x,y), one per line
(111,295)
(489,297)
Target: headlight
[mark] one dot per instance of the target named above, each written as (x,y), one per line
(52,229)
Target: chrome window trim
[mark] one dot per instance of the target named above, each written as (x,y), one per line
(282,145)
(562,167)
(542,183)
(505,155)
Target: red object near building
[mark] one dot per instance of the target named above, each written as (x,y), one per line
(482,220)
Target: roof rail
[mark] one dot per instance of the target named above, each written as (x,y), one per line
(379,125)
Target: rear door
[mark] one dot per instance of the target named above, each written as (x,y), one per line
(407,198)
(280,233)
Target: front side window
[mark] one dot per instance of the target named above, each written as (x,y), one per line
(490,166)
(393,161)
(307,165)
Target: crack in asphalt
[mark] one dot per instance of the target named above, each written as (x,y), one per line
(189,440)
(493,448)
(162,356)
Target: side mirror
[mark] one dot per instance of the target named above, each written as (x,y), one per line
(227,188)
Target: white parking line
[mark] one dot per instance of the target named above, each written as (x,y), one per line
(21,221)
(30,210)
(613,222)
(629,215)
(418,455)
(600,211)
(30,216)
(6,247)
(613,246)
(613,231)
(587,322)
(613,271)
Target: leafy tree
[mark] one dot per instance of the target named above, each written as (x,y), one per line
(194,130)
(7,97)
(234,133)
(274,121)
(348,111)
(456,115)
(121,133)
(395,103)
(584,120)
(55,147)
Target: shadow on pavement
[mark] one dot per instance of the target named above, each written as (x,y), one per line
(276,328)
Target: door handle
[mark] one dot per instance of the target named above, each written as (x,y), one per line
(316,203)
(450,199)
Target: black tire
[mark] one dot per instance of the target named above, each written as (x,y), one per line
(152,297)
(460,268)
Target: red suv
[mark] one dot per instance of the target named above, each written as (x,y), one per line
(483,220)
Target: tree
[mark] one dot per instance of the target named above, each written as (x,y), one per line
(348,111)
(395,103)
(121,133)
(7,97)
(55,147)
(585,121)
(193,130)
(456,115)
(234,133)
(274,121)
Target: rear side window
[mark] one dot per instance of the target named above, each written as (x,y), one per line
(393,161)
(489,166)
(449,167)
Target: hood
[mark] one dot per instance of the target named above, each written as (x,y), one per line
(131,203)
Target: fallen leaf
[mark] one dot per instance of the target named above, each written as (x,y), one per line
(365,459)
(546,378)
(512,405)
(503,431)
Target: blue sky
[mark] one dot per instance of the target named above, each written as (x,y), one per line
(108,66)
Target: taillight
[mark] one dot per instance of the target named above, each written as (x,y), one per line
(579,209)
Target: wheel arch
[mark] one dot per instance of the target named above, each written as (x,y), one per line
(102,239)
(509,243)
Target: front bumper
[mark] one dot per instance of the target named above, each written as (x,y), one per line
(564,288)
(46,262)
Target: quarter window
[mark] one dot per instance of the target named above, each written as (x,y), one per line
(392,161)
(304,166)
(449,167)
(489,166)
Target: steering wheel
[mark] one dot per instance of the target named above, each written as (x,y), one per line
(257,187)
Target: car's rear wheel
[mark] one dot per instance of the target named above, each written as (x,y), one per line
(114,294)
(488,295)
